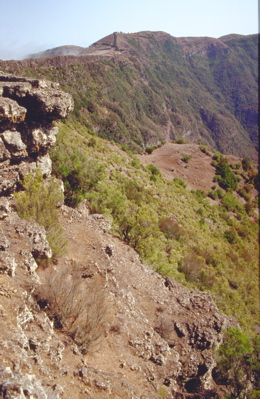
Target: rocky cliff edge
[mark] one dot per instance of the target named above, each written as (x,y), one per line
(27,109)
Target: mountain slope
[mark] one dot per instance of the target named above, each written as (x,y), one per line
(179,232)
(139,89)
(97,321)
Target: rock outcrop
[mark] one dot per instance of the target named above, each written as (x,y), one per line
(27,109)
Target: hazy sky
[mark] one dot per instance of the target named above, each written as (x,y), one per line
(29,26)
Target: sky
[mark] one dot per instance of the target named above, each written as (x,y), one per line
(29,26)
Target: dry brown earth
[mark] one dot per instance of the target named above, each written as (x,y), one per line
(198,173)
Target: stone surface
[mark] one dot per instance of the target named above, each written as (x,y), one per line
(27,109)
(14,144)
(4,207)
(10,110)
(15,385)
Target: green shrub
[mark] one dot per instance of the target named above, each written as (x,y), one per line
(186,158)
(220,193)
(246,164)
(133,191)
(243,193)
(231,203)
(217,178)
(202,222)
(39,202)
(217,156)
(204,149)
(213,194)
(136,163)
(230,236)
(216,194)
(180,182)
(200,194)
(228,179)
(126,149)
(138,225)
(236,166)
(78,172)
(250,208)
(180,141)
(149,150)
(234,364)
(92,142)
(154,170)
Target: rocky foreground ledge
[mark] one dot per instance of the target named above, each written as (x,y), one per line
(27,109)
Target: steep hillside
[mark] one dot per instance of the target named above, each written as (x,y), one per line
(96,306)
(180,233)
(142,88)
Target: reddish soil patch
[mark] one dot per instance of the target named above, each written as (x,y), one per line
(198,172)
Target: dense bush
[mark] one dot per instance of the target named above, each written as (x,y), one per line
(230,202)
(154,170)
(79,173)
(228,180)
(39,202)
(236,363)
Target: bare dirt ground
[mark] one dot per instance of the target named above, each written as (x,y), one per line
(198,173)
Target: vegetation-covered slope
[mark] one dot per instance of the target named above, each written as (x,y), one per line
(179,232)
(139,89)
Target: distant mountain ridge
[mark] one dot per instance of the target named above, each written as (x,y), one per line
(142,88)
(111,42)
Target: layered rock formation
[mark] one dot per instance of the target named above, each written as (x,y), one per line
(27,109)
(157,337)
